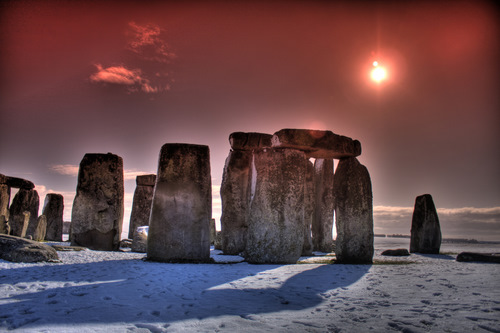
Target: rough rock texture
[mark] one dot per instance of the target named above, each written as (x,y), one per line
(182,205)
(24,200)
(18,249)
(213,232)
(4,225)
(235,197)
(41,229)
(66,227)
(309,199)
(4,201)
(141,206)
(396,252)
(140,240)
(53,209)
(218,240)
(97,215)
(276,227)
(16,182)
(353,212)
(249,140)
(317,144)
(479,257)
(425,228)
(19,224)
(322,225)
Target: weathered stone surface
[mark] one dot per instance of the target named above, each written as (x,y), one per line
(396,252)
(317,144)
(322,225)
(41,229)
(4,201)
(276,226)
(182,205)
(24,200)
(235,197)
(218,240)
(66,227)
(18,249)
(4,225)
(146,180)
(97,215)
(19,224)
(140,240)
(425,228)
(16,182)
(141,206)
(353,212)
(479,257)
(309,199)
(213,232)
(53,209)
(249,140)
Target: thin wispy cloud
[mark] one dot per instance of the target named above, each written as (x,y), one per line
(72,170)
(146,42)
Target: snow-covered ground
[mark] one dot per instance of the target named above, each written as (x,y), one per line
(92,291)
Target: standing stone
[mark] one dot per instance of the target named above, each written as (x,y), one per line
(97,215)
(354,212)
(322,225)
(425,228)
(41,229)
(140,239)
(19,224)
(53,209)
(235,197)
(213,232)
(24,200)
(182,205)
(4,225)
(276,227)
(141,206)
(4,201)
(309,199)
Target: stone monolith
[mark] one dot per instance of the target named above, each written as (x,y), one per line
(24,200)
(353,212)
(425,228)
(41,229)
(97,215)
(309,199)
(19,224)
(4,200)
(53,209)
(182,205)
(276,218)
(322,225)
(141,205)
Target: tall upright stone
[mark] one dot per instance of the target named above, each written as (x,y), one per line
(182,205)
(24,200)
(4,201)
(235,188)
(309,200)
(141,205)
(19,224)
(353,212)
(425,228)
(53,209)
(322,225)
(97,215)
(41,229)
(276,222)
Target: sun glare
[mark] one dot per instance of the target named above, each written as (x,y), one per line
(378,73)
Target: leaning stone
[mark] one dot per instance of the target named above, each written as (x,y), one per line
(309,195)
(179,228)
(4,200)
(425,228)
(141,205)
(479,257)
(276,221)
(140,241)
(19,224)
(396,252)
(317,144)
(18,249)
(322,225)
(24,200)
(249,140)
(41,229)
(53,209)
(97,216)
(235,198)
(353,212)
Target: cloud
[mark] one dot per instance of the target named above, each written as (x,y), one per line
(146,42)
(72,170)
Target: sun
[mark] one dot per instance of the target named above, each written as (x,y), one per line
(378,73)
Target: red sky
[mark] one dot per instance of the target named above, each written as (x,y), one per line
(127,77)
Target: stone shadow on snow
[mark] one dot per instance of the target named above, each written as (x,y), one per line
(133,291)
